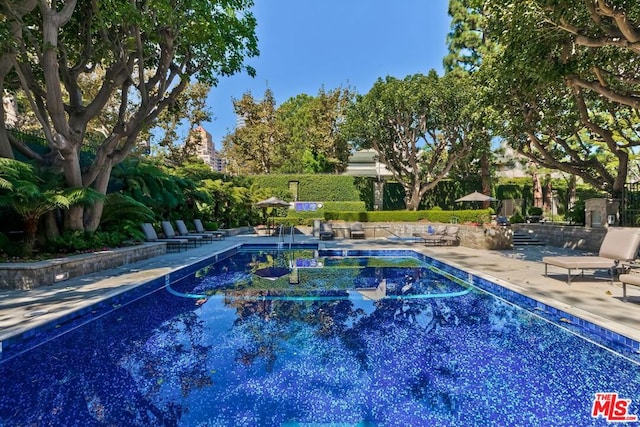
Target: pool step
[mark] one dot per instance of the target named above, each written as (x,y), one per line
(526,239)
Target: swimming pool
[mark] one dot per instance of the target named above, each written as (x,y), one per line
(373,338)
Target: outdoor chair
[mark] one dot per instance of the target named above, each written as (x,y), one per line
(184,232)
(628,279)
(357,231)
(170,233)
(151,236)
(620,246)
(433,236)
(217,235)
(326,231)
(450,236)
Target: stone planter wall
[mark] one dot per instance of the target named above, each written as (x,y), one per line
(29,275)
(477,237)
(565,236)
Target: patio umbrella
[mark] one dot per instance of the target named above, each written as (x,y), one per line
(476,197)
(272,202)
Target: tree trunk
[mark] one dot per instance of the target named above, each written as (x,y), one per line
(5,145)
(73,176)
(94,212)
(485,177)
(413,197)
(30,230)
(571,196)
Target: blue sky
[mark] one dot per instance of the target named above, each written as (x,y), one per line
(307,44)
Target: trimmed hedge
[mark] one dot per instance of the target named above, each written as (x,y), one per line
(307,217)
(461,216)
(313,188)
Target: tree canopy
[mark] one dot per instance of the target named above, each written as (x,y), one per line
(565,76)
(302,135)
(419,126)
(147,53)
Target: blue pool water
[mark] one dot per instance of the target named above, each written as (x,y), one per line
(340,341)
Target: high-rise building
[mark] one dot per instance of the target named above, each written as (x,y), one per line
(206,150)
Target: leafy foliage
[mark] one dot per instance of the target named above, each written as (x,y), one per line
(79,241)
(419,127)
(315,188)
(145,51)
(124,214)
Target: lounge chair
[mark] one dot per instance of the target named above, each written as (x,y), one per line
(356,230)
(170,233)
(217,235)
(151,236)
(451,235)
(326,231)
(628,279)
(620,245)
(433,236)
(183,231)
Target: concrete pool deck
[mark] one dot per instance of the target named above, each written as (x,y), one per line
(594,299)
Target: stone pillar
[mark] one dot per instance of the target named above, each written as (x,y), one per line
(601,213)
(378,192)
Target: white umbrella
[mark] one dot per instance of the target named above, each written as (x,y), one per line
(476,197)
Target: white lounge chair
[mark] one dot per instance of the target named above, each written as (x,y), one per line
(441,235)
(620,246)
(628,279)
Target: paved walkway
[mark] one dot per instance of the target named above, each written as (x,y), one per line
(592,298)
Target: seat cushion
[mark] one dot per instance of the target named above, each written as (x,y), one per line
(576,262)
(631,279)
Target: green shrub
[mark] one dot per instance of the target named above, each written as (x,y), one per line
(313,187)
(5,244)
(438,215)
(516,218)
(211,225)
(576,214)
(80,241)
(534,210)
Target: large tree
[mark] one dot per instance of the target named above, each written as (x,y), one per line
(313,138)
(467,46)
(566,77)
(148,52)
(257,144)
(419,126)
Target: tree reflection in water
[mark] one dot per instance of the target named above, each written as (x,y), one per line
(226,347)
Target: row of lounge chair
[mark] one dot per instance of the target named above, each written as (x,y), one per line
(183,238)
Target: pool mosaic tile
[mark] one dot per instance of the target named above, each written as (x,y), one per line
(225,347)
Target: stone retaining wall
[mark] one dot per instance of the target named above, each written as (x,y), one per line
(477,237)
(29,275)
(565,236)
